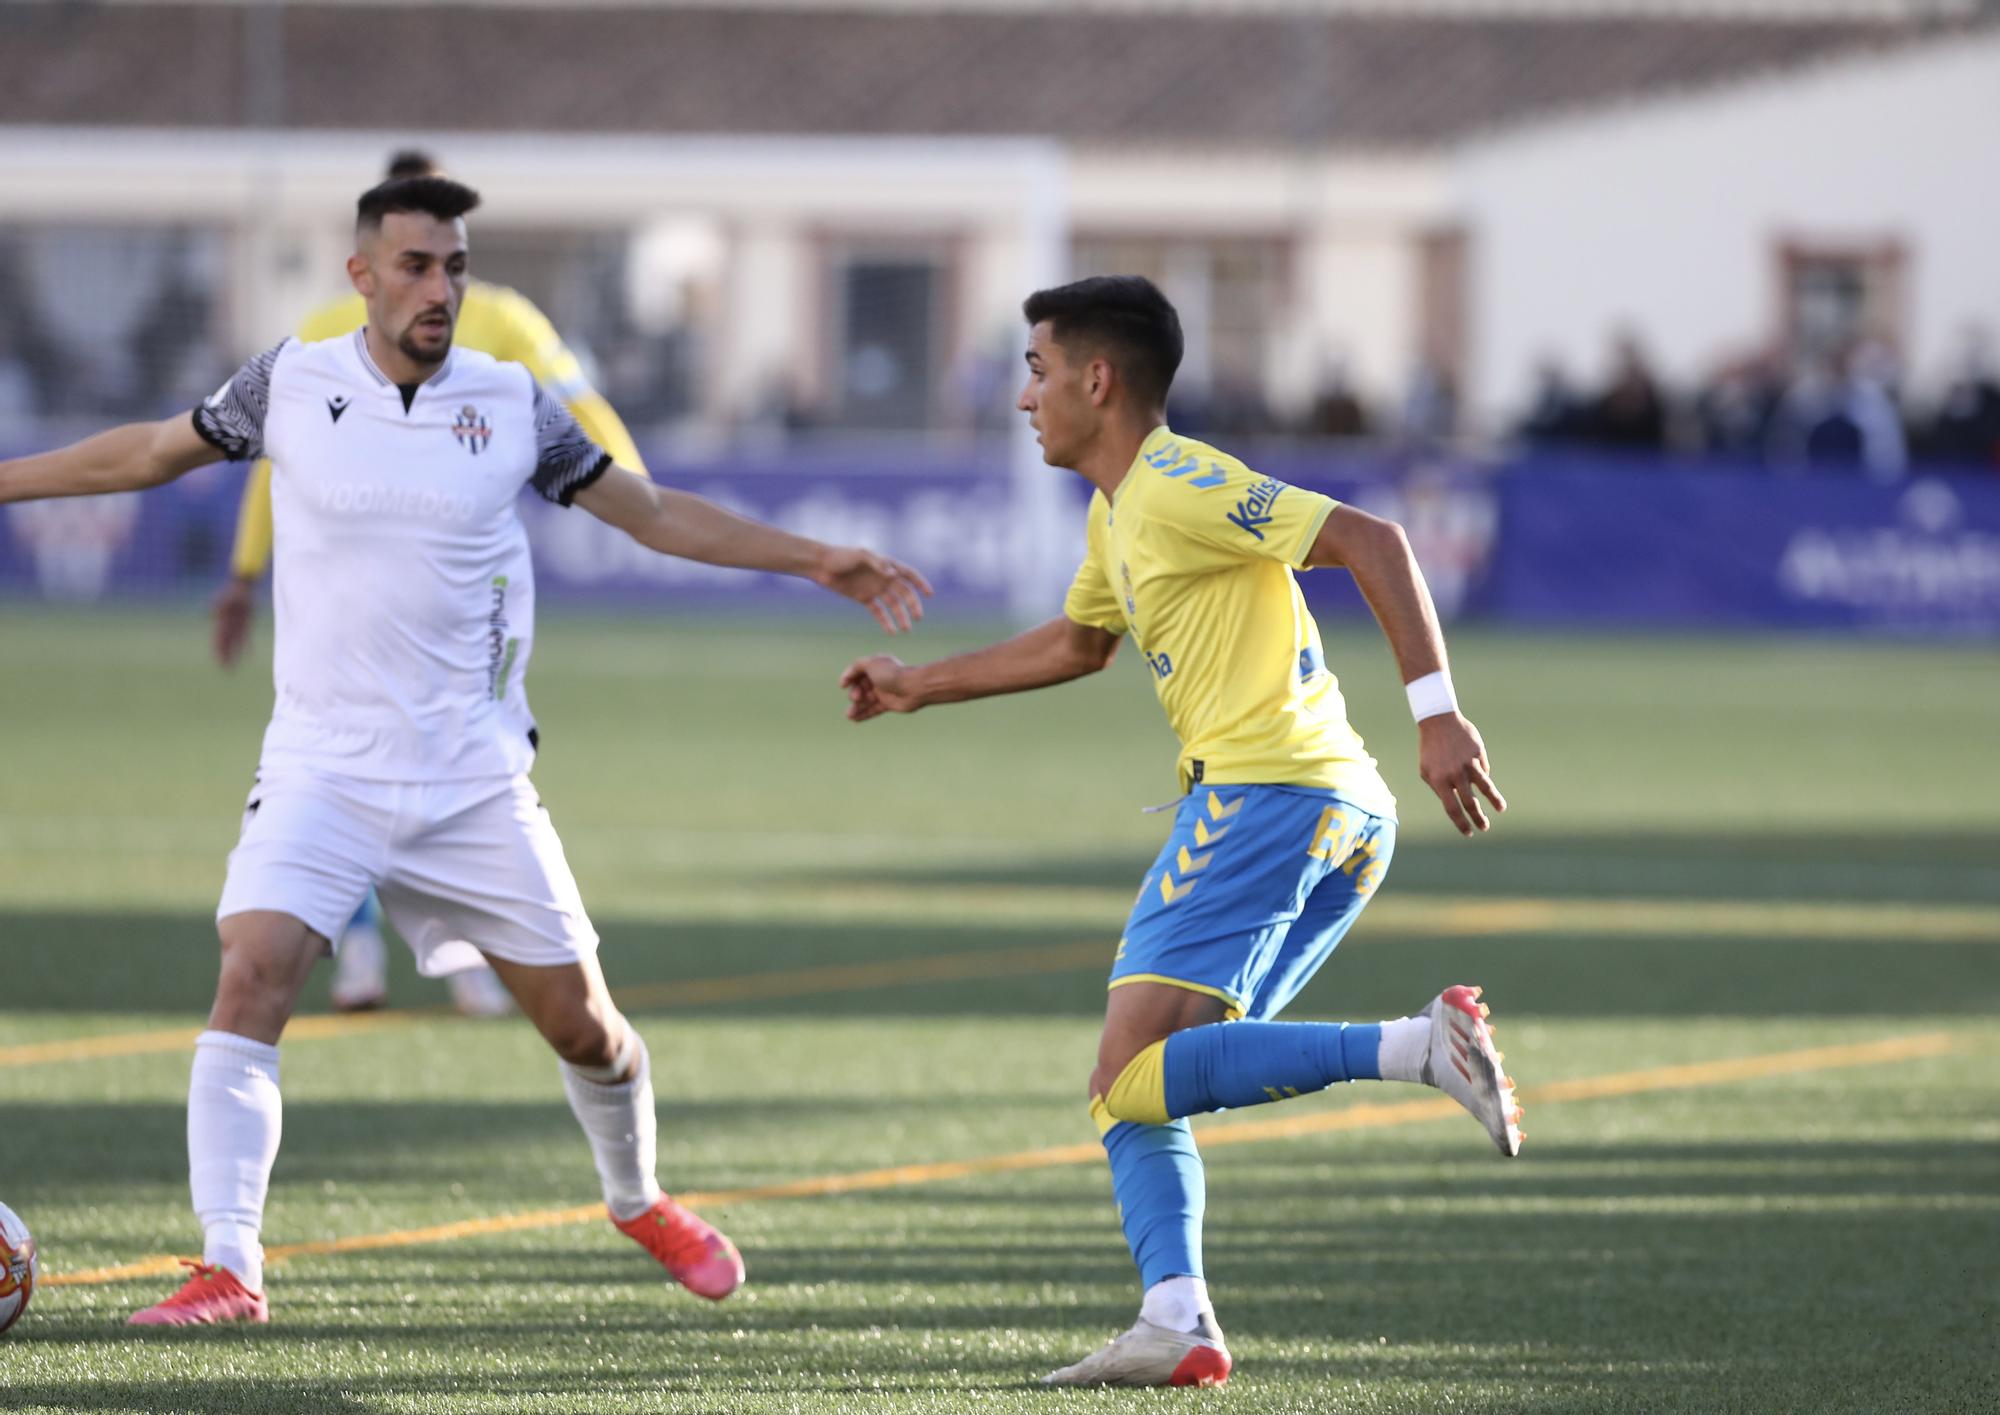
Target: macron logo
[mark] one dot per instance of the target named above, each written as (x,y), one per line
(336,406)
(1254,510)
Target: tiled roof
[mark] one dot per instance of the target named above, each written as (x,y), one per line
(1343,79)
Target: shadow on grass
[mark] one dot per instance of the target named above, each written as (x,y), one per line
(1564,1381)
(1933,868)
(1539,1293)
(1755,1276)
(210,1395)
(422,1141)
(163,966)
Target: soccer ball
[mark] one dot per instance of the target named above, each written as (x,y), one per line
(17,1267)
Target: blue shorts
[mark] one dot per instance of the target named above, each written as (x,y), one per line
(1252,892)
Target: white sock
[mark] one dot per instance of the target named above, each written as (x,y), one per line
(1176,1303)
(618,1119)
(1404,1043)
(234,1117)
(364,944)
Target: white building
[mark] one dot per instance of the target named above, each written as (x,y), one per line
(792,204)
(1853,198)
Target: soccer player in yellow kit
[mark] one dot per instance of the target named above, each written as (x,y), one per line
(1285,828)
(494,320)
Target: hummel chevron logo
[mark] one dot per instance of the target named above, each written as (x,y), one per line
(1164,460)
(1204,836)
(1171,893)
(1214,477)
(336,406)
(1192,863)
(1254,510)
(1222,812)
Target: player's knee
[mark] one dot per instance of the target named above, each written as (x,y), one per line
(246,976)
(583,1041)
(264,964)
(1137,1090)
(255,991)
(595,1044)
(1115,1053)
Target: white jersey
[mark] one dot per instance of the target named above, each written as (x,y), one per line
(404,597)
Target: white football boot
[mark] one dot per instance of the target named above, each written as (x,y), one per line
(478,992)
(360,971)
(1150,1355)
(1462,1061)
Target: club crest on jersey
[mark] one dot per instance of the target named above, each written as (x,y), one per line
(472,430)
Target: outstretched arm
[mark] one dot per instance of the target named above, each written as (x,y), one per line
(128,458)
(681,524)
(1451,758)
(1049,653)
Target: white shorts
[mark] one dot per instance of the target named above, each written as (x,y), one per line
(462,867)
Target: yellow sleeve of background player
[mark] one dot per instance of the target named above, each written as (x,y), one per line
(330,321)
(602,425)
(252,552)
(523,334)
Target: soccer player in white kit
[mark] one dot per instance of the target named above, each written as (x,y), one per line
(400,740)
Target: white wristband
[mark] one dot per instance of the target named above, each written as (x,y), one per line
(1431,696)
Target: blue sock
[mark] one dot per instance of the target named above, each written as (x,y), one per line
(369,915)
(1226,1064)
(1157,1177)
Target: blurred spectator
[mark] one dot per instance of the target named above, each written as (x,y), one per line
(1337,410)
(979,390)
(1629,414)
(1843,416)
(1429,414)
(169,342)
(1557,413)
(1967,427)
(1733,411)
(1238,409)
(42,369)
(17,390)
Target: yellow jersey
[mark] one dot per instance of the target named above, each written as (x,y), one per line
(494,320)
(1193,556)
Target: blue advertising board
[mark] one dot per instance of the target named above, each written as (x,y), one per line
(950,512)
(1728,549)
(1592,543)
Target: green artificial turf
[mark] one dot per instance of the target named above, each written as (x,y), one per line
(1817,1239)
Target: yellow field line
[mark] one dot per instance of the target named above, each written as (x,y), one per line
(1354,1117)
(1409,917)
(182,1038)
(1395,915)
(860,977)
(1745,1068)
(1779,918)
(695,992)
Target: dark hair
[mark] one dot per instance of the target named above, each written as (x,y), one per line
(413,162)
(434,196)
(1123,315)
